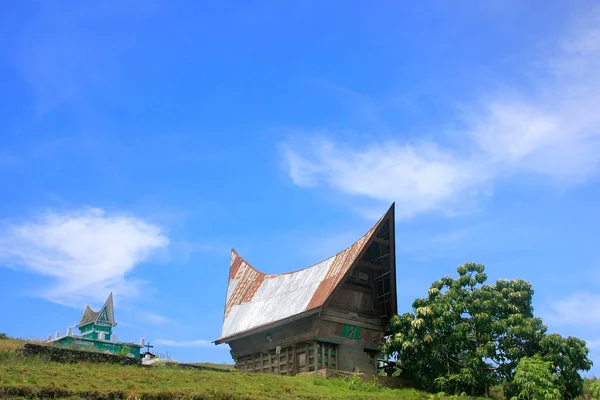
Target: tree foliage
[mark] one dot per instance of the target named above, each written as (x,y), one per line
(568,356)
(467,335)
(534,380)
(594,389)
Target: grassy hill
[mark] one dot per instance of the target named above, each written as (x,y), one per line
(35,378)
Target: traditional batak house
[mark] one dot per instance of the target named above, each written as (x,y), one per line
(332,315)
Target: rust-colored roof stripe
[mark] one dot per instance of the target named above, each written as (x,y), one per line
(235,265)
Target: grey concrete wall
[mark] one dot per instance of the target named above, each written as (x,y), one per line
(352,355)
(59,354)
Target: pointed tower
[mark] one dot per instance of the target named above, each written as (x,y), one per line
(98,325)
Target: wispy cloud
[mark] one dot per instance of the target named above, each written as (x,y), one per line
(551,131)
(88,252)
(184,343)
(579,310)
(155,319)
(593,344)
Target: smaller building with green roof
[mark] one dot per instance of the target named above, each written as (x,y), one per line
(95,331)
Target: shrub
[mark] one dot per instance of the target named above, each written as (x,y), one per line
(125,350)
(534,380)
(594,389)
(356,382)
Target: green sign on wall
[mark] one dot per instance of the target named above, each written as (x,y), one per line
(351,332)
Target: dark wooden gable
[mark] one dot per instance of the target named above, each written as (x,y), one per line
(369,288)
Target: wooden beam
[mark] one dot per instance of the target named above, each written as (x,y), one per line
(383,275)
(352,322)
(342,313)
(294,368)
(306,358)
(374,293)
(337,360)
(380,240)
(357,287)
(287,360)
(392,260)
(370,265)
(322,356)
(270,365)
(306,336)
(284,321)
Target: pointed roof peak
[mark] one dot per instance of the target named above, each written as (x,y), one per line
(106,313)
(108,306)
(109,300)
(88,316)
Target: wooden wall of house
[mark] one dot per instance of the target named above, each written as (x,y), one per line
(357,341)
(354,298)
(349,327)
(300,357)
(357,294)
(340,340)
(285,335)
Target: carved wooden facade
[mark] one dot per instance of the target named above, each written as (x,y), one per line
(333,314)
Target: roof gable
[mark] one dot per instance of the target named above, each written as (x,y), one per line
(89,316)
(105,315)
(255,299)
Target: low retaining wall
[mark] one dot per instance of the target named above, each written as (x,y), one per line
(391,382)
(186,366)
(63,355)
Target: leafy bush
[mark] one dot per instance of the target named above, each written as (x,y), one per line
(125,351)
(3,336)
(356,382)
(534,379)
(594,389)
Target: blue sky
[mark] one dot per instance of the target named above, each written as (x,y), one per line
(141,140)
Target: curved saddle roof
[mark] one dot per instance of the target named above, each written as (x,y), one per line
(106,314)
(256,299)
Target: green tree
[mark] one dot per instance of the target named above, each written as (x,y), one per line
(534,380)
(568,356)
(467,335)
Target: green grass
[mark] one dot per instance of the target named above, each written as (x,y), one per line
(29,378)
(227,367)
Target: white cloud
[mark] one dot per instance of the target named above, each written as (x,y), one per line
(88,252)
(551,131)
(184,343)
(155,319)
(593,344)
(419,178)
(579,310)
